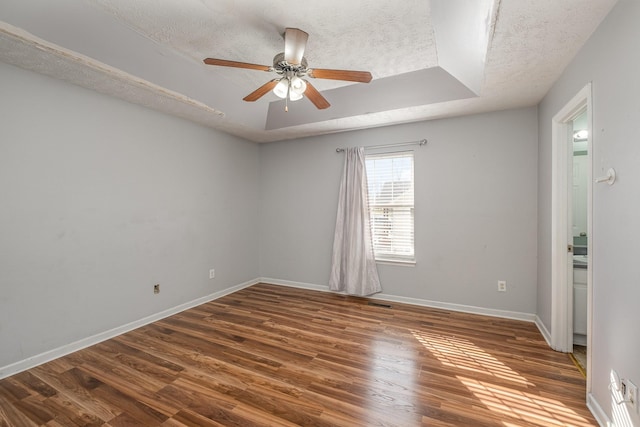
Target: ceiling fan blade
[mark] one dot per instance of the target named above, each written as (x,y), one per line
(236,64)
(295,41)
(350,76)
(316,97)
(261,91)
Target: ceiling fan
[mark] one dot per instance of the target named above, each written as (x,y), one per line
(292,67)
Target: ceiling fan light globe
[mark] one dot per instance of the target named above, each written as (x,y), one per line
(298,86)
(293,96)
(281,88)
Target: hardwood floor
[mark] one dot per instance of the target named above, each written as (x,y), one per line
(275,356)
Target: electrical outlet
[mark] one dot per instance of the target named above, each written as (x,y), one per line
(156,289)
(212,273)
(502,286)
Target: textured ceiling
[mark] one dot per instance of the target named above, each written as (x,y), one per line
(343,34)
(429,59)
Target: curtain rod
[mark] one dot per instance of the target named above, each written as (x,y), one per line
(421,142)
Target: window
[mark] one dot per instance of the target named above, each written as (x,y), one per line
(390,180)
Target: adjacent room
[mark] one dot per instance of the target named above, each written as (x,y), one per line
(243,212)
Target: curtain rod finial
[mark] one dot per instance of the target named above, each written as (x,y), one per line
(423,142)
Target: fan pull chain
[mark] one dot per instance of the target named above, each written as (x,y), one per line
(286,100)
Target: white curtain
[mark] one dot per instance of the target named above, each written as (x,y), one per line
(353,268)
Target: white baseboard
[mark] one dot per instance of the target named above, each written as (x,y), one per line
(30,362)
(544,331)
(528,317)
(595,408)
(292,284)
(516,315)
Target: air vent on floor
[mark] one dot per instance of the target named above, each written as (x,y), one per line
(379,304)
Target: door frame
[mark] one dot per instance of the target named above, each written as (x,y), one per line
(561,223)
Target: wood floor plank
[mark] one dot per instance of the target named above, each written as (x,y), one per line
(276,356)
(12,416)
(75,388)
(129,408)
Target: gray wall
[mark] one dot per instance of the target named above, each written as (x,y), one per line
(476,209)
(101,199)
(611,62)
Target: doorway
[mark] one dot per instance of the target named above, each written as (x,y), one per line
(580,237)
(572,233)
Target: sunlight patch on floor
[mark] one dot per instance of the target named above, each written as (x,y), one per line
(509,401)
(463,354)
(525,406)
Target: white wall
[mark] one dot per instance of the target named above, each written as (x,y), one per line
(611,62)
(100,200)
(475,195)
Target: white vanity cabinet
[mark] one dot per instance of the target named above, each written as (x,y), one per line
(579,301)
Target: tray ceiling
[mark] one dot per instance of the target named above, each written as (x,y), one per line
(429,59)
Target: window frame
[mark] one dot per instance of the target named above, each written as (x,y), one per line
(386,257)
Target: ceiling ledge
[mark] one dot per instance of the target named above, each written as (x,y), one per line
(24,50)
(463,31)
(423,87)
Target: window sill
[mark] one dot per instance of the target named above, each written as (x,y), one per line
(396,262)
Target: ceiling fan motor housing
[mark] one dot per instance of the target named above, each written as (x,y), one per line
(281,66)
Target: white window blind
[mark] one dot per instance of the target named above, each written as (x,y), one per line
(390,187)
